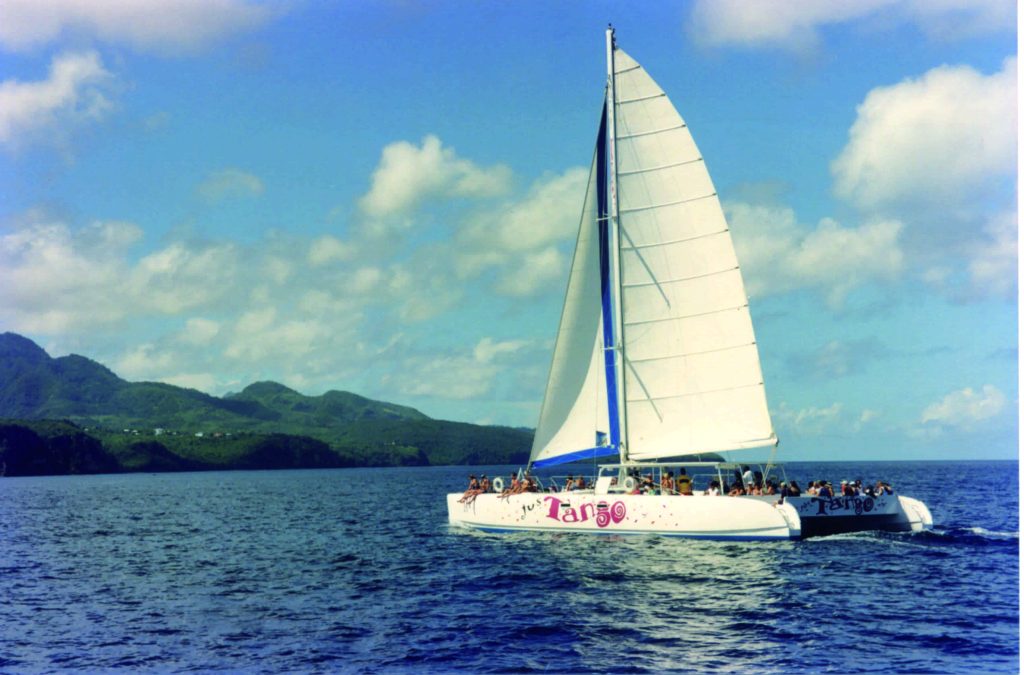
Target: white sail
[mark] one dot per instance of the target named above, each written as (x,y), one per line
(575,404)
(693,378)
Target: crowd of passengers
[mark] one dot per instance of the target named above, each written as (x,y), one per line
(748,483)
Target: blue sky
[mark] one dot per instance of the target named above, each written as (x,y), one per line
(381,197)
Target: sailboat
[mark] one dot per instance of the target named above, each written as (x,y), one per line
(656,363)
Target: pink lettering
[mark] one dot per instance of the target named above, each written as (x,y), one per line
(554,512)
(605,516)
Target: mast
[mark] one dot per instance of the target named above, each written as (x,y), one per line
(614,349)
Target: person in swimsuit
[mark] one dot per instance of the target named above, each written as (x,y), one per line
(473,487)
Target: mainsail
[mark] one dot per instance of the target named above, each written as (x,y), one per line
(686,353)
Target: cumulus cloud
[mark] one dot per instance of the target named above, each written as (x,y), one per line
(150,25)
(993,260)
(76,91)
(327,249)
(796,25)
(809,420)
(519,240)
(938,139)
(230,183)
(408,174)
(965,408)
(462,375)
(54,279)
(778,255)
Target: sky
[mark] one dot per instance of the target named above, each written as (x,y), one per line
(382,197)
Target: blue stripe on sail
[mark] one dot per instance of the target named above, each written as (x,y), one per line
(608,321)
(589,453)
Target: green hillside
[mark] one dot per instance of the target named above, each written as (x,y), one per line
(151,426)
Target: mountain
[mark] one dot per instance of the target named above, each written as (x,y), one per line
(203,431)
(35,386)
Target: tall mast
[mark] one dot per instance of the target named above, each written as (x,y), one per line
(614,267)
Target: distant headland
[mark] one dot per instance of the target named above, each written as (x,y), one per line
(73,415)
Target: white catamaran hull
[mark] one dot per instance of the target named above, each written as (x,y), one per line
(698,517)
(694,517)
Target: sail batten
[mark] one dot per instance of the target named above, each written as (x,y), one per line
(660,168)
(650,132)
(648,207)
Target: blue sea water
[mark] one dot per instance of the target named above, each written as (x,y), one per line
(357,571)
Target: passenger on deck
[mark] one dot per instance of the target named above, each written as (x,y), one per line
(812,488)
(485,483)
(474,486)
(794,489)
(883,488)
(648,485)
(748,475)
(684,485)
(568,484)
(713,489)
(736,489)
(668,483)
(825,490)
(581,483)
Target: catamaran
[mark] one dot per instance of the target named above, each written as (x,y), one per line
(656,360)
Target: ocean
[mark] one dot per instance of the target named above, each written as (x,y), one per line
(357,571)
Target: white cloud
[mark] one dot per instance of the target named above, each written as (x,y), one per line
(53,279)
(407,175)
(534,273)
(993,261)
(519,239)
(965,407)
(778,255)
(487,349)
(160,25)
(795,25)
(937,140)
(76,91)
(182,277)
(454,377)
(328,249)
(199,331)
(809,420)
(143,362)
(230,183)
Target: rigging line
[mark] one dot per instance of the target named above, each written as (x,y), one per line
(636,247)
(647,267)
(626,70)
(658,206)
(694,393)
(687,316)
(660,168)
(680,279)
(681,125)
(643,387)
(685,354)
(640,98)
